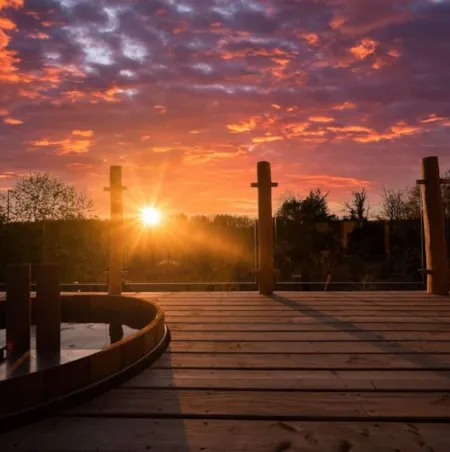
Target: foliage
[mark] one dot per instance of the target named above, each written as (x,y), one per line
(39,197)
(393,204)
(307,249)
(312,208)
(413,203)
(3,208)
(358,209)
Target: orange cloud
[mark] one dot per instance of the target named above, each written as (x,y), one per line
(109,95)
(83,133)
(161,149)
(30,94)
(396,131)
(267,139)
(282,64)
(245,126)
(12,121)
(79,166)
(336,22)
(310,38)
(365,48)
(363,134)
(322,119)
(275,53)
(74,95)
(160,109)
(350,129)
(8,174)
(10,4)
(8,60)
(394,53)
(344,106)
(66,146)
(7,24)
(4,112)
(296,128)
(180,28)
(433,118)
(38,35)
(329,181)
(75,146)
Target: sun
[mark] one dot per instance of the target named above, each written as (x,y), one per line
(151,216)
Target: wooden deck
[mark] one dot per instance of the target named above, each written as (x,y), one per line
(338,372)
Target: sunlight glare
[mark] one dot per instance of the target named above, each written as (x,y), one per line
(150,216)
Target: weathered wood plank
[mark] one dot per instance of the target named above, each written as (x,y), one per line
(296,318)
(172,435)
(389,294)
(259,404)
(348,310)
(397,295)
(344,301)
(308,326)
(304,361)
(364,310)
(318,315)
(310,336)
(304,380)
(309,347)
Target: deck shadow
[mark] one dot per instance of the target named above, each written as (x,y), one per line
(425,361)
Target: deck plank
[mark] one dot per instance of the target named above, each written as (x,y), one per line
(285,380)
(310,336)
(370,309)
(308,313)
(304,361)
(307,326)
(309,347)
(260,405)
(171,435)
(295,318)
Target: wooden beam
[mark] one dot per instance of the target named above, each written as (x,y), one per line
(266,274)
(116,241)
(18,310)
(48,309)
(434,226)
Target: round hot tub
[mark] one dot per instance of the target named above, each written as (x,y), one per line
(38,383)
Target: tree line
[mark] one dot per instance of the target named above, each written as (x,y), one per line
(45,218)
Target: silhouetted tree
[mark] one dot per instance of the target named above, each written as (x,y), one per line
(39,196)
(3,209)
(313,208)
(393,205)
(413,203)
(301,242)
(358,208)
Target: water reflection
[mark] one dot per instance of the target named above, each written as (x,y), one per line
(115,332)
(86,336)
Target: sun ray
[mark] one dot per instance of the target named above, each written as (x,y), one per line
(150,216)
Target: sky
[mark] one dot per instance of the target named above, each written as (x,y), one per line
(188,95)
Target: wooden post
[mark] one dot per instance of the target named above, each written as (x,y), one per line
(434,226)
(48,309)
(387,238)
(115,244)
(266,274)
(18,310)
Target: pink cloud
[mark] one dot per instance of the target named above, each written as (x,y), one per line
(12,121)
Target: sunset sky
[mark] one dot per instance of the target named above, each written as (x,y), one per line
(188,95)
